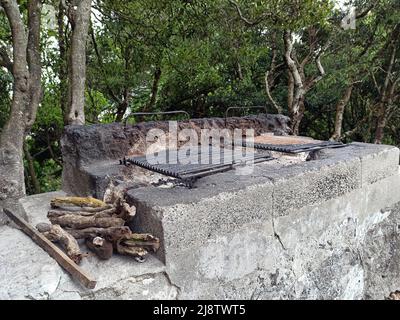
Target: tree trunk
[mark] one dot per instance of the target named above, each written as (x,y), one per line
(298,116)
(380,126)
(31,169)
(387,91)
(290,92)
(154,90)
(63,68)
(341,105)
(122,106)
(26,72)
(299,90)
(80,20)
(298,84)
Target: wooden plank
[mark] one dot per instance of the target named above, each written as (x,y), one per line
(56,253)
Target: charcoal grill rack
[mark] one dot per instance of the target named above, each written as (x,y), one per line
(189,173)
(296,148)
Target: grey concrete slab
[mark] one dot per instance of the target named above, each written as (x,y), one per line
(30,273)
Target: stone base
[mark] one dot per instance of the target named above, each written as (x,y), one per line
(324,229)
(28,272)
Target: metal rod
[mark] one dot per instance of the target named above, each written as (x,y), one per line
(244,108)
(296,148)
(155,113)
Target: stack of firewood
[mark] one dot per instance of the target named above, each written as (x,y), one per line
(103,227)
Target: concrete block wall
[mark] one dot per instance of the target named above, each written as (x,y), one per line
(323,229)
(283,232)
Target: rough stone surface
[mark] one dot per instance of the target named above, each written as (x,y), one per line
(87,148)
(35,206)
(30,273)
(272,189)
(381,254)
(379,165)
(322,229)
(321,252)
(27,271)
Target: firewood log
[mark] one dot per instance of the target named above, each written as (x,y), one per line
(101,247)
(145,241)
(135,252)
(100,214)
(56,234)
(115,194)
(111,234)
(126,211)
(77,201)
(70,208)
(77,222)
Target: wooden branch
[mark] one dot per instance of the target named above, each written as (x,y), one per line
(77,222)
(340,107)
(88,210)
(34,60)
(62,259)
(311,83)
(293,69)
(19,37)
(56,234)
(367,10)
(375,83)
(108,213)
(135,252)
(312,34)
(243,18)
(111,234)
(127,212)
(269,95)
(101,247)
(145,241)
(77,201)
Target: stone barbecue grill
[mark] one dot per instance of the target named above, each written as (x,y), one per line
(314,223)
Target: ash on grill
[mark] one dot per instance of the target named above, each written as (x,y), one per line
(204,162)
(264,148)
(101,225)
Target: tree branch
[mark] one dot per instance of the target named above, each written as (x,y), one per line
(365,12)
(267,88)
(243,18)
(293,69)
(19,37)
(34,59)
(375,82)
(100,60)
(318,78)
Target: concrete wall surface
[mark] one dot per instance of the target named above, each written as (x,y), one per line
(324,229)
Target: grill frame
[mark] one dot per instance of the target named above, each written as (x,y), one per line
(296,148)
(188,174)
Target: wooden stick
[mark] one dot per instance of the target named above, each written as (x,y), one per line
(145,241)
(78,222)
(62,259)
(77,201)
(110,234)
(57,234)
(100,214)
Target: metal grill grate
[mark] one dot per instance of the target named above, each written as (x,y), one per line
(200,164)
(296,148)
